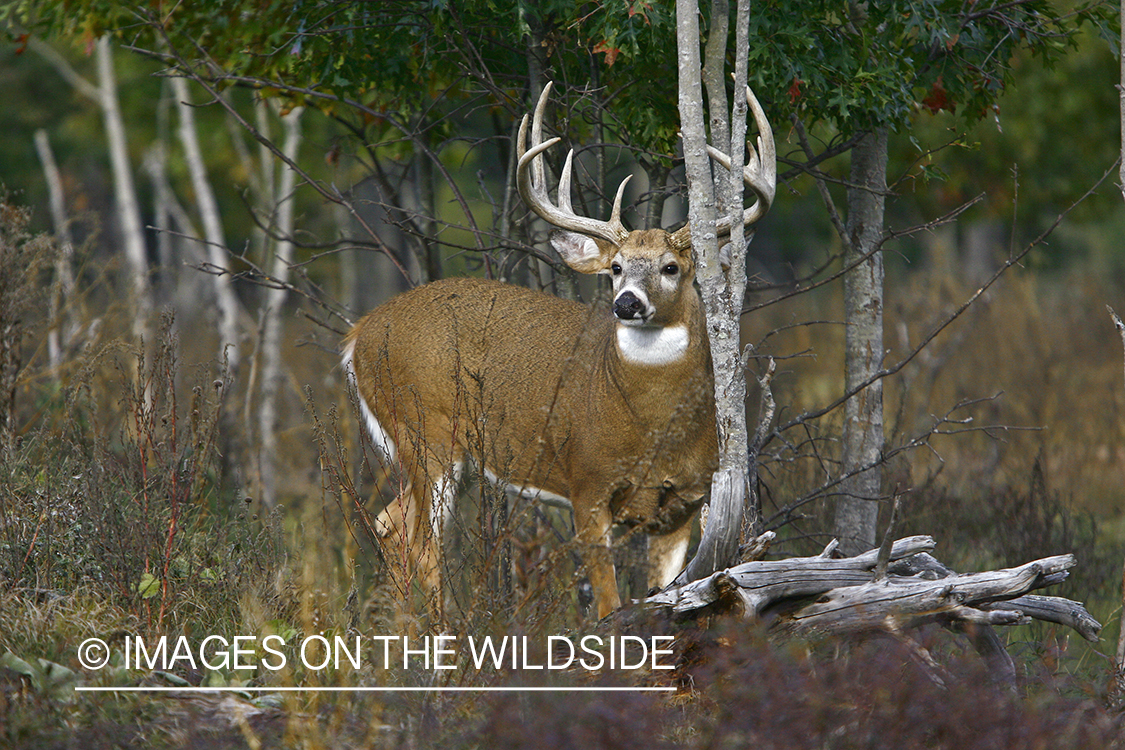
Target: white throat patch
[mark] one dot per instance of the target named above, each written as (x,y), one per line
(652,346)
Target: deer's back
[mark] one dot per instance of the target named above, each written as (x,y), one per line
(474,326)
(477,354)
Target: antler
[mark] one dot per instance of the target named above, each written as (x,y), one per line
(532,184)
(760,174)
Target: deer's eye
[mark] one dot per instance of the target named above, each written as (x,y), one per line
(616,269)
(670,270)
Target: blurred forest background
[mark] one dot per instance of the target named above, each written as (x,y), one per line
(199,200)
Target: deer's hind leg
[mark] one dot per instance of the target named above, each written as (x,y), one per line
(416,524)
(398,521)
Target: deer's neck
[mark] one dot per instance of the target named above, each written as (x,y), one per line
(654,346)
(652,374)
(681,343)
(656,372)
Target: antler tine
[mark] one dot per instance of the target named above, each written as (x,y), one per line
(759,173)
(564,183)
(615,214)
(538,171)
(532,184)
(527,155)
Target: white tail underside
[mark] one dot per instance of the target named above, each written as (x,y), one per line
(379,437)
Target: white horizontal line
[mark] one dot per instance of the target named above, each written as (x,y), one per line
(415,689)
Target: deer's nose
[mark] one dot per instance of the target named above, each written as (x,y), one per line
(628,306)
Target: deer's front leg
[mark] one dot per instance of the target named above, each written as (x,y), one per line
(594,524)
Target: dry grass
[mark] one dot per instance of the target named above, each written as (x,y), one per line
(124,513)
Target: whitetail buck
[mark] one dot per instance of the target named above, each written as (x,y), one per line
(609,408)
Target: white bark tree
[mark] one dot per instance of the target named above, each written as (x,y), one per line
(273,376)
(129,221)
(60,330)
(722,288)
(857,510)
(174,229)
(128,207)
(213,235)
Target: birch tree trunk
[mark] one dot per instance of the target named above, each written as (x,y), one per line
(208,206)
(64,276)
(125,192)
(722,292)
(173,252)
(272,372)
(857,511)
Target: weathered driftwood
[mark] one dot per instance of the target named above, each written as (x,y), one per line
(821,596)
(762,582)
(1046,608)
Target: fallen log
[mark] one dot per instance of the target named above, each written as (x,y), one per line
(812,597)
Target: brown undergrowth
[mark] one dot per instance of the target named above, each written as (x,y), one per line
(121,517)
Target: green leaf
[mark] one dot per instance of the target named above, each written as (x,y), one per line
(47,678)
(149,586)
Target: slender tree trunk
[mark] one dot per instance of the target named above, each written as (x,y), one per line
(64,276)
(272,371)
(857,511)
(719,545)
(658,180)
(125,194)
(155,164)
(226,299)
(534,50)
(424,191)
(981,242)
(715,85)
(264,186)
(128,207)
(173,253)
(732,390)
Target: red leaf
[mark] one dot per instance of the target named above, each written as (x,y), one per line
(795,90)
(938,99)
(610,53)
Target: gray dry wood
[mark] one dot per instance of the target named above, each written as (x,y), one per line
(917,590)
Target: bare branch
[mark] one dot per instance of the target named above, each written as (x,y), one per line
(1012,260)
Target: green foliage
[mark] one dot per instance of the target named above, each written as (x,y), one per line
(416,76)
(878,65)
(873,67)
(1060,127)
(47,678)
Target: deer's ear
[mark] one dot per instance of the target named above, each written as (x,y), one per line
(583,254)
